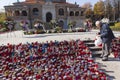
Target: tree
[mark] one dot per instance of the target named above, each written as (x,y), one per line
(72,24)
(108,9)
(2,17)
(89,13)
(116,8)
(99,9)
(87,5)
(88,10)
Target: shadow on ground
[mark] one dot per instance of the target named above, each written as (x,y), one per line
(103,66)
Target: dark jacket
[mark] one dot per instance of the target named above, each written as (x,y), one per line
(106,33)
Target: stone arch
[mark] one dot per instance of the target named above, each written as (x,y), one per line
(61,11)
(71,13)
(9,13)
(24,13)
(17,13)
(61,23)
(77,13)
(35,11)
(48,16)
(82,13)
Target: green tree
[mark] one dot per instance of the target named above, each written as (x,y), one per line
(99,9)
(2,17)
(89,13)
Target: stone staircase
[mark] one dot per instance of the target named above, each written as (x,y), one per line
(96,51)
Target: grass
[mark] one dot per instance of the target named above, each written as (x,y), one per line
(116,27)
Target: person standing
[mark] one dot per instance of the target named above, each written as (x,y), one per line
(86,25)
(89,25)
(106,35)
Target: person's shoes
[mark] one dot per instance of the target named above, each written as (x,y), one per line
(101,56)
(104,58)
(109,54)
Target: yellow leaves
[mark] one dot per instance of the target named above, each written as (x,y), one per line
(99,8)
(2,17)
(88,12)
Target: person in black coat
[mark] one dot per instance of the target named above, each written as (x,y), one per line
(107,36)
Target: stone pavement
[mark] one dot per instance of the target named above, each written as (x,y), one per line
(111,67)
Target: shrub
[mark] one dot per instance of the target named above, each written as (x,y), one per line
(58,29)
(2,25)
(70,30)
(53,31)
(25,33)
(117,24)
(30,32)
(112,23)
(74,30)
(3,29)
(40,31)
(49,31)
(64,31)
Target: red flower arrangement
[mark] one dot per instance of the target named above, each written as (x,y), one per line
(116,47)
(53,63)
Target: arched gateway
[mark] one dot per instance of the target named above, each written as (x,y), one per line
(48,17)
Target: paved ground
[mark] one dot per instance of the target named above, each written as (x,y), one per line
(111,67)
(17,37)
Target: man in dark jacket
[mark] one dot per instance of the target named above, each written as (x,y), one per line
(106,35)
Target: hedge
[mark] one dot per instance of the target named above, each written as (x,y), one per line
(116,27)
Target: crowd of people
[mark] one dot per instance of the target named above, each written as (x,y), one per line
(64,60)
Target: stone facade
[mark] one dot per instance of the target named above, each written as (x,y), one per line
(45,11)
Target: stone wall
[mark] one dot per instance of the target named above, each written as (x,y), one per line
(48,7)
(43,9)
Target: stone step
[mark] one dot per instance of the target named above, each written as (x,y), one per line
(90,44)
(96,53)
(95,48)
(88,41)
